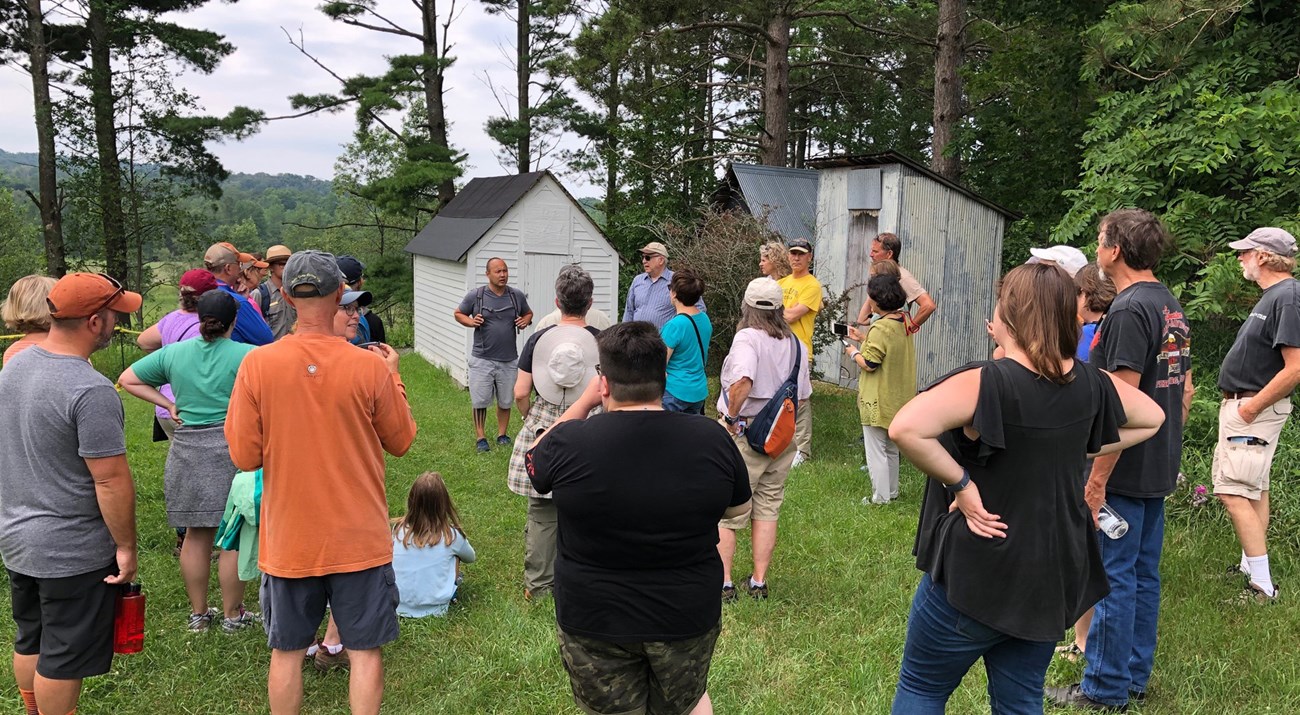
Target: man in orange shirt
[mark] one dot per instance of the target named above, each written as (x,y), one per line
(317,415)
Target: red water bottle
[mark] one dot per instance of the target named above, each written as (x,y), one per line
(128,620)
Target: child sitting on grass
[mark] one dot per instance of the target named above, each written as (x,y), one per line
(427,547)
(888,380)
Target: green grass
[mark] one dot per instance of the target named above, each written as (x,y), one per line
(828,641)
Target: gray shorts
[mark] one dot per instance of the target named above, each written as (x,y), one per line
(487,377)
(364,604)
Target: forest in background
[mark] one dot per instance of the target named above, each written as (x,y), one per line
(1059,109)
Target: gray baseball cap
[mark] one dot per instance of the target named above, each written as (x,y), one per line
(312,273)
(1273,240)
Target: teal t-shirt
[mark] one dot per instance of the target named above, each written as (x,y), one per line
(201,374)
(686,380)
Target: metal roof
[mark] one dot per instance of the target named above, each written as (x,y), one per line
(893,157)
(789,196)
(470,215)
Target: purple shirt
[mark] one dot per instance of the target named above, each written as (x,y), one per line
(175,327)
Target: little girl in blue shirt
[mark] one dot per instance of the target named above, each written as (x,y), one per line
(427,546)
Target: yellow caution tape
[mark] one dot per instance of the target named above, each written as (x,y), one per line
(10,337)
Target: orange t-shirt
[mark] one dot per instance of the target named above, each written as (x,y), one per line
(23,343)
(317,415)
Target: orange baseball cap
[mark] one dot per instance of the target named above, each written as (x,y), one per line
(248,260)
(81,295)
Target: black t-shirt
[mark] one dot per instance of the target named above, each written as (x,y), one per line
(377,333)
(1256,355)
(638,497)
(1034,436)
(526,355)
(1145,331)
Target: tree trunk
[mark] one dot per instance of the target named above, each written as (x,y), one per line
(523,74)
(117,263)
(948,59)
(433,94)
(56,261)
(772,143)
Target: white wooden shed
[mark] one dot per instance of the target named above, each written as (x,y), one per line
(951,241)
(529,220)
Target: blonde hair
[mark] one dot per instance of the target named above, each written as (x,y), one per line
(779,255)
(25,310)
(885,267)
(430,516)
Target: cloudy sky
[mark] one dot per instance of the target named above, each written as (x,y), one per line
(265,70)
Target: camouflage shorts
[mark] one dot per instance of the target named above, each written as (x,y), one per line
(649,678)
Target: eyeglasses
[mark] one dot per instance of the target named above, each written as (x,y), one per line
(1244,251)
(116,284)
(351,309)
(598,372)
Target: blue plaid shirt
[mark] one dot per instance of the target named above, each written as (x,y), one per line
(648,300)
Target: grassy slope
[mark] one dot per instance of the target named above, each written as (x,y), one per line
(829,641)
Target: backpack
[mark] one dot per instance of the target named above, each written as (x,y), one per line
(264,299)
(771,431)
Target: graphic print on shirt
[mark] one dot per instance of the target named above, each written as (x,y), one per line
(1175,349)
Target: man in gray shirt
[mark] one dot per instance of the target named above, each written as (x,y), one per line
(496,312)
(67,500)
(1257,378)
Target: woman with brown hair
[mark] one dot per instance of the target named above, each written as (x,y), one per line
(26,311)
(1006,541)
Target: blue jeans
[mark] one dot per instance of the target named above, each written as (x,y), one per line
(942,644)
(672,404)
(1122,639)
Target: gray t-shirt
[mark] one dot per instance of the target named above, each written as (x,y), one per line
(495,338)
(58,411)
(1256,355)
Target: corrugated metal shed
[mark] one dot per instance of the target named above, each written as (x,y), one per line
(887,158)
(789,196)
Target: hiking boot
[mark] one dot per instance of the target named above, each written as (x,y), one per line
(482,445)
(1072,697)
(758,593)
(729,594)
(201,622)
(240,622)
(503,439)
(325,661)
(1253,594)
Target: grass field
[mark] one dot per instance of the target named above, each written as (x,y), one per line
(828,641)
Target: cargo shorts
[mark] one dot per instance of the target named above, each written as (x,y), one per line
(647,678)
(1240,468)
(766,483)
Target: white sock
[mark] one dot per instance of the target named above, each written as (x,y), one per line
(1245,567)
(332,649)
(753,583)
(1259,573)
(313,649)
(728,584)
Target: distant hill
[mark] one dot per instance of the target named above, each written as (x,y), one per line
(18,171)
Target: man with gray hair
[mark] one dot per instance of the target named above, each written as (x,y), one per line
(1257,378)
(558,362)
(222,261)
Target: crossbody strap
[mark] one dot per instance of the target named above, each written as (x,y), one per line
(698,340)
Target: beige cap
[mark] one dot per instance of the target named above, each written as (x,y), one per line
(764,294)
(221,254)
(278,253)
(656,248)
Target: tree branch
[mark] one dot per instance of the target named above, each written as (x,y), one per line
(344,225)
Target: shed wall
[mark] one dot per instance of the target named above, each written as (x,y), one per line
(439,286)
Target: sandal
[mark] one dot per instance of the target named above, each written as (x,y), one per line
(1071,653)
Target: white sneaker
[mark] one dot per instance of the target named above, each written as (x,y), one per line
(874,499)
(799,458)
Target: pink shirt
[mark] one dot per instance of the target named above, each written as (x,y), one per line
(766,361)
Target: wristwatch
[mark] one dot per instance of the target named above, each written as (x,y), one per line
(960,485)
(730,420)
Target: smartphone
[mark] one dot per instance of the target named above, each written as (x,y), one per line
(840,329)
(366,345)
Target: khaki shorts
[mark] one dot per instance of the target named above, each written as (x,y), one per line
(766,481)
(650,678)
(1242,469)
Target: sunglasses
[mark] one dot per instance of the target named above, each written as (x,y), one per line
(649,256)
(116,284)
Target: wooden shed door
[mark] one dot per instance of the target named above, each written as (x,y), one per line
(540,270)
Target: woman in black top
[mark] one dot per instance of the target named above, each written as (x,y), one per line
(1006,541)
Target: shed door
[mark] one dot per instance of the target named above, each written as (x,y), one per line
(540,270)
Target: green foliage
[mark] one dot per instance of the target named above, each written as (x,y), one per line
(21,253)
(1199,128)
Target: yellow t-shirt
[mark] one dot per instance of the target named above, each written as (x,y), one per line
(803,291)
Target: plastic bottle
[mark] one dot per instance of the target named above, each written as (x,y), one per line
(1110,522)
(128,620)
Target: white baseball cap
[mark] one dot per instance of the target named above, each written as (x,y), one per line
(1067,257)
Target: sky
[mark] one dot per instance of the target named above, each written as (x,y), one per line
(265,70)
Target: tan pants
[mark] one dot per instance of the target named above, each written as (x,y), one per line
(803,428)
(539,545)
